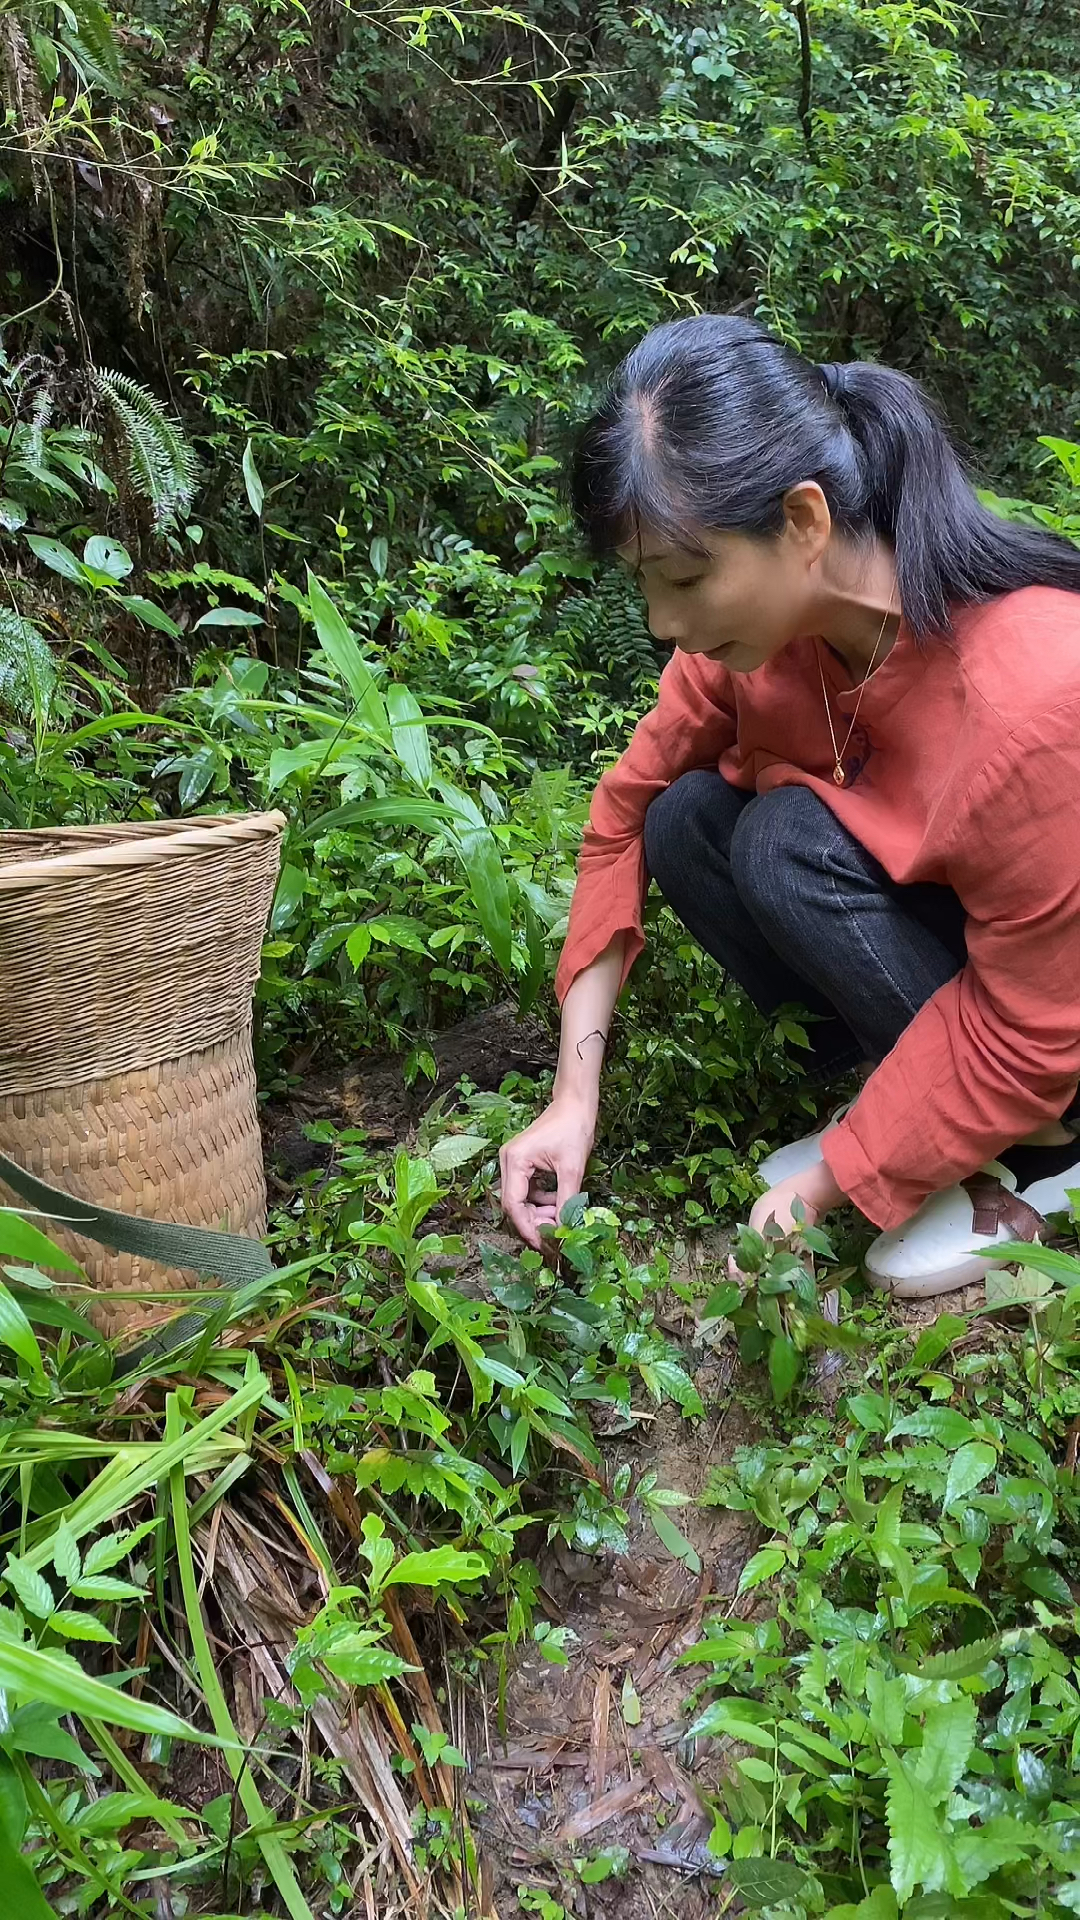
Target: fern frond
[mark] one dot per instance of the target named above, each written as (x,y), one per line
(161,464)
(27,668)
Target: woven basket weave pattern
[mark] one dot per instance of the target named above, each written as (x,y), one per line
(120,966)
(129,958)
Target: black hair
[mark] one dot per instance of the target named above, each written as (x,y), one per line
(710,420)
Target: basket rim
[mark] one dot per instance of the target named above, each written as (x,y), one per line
(174,837)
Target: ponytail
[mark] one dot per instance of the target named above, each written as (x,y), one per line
(710,421)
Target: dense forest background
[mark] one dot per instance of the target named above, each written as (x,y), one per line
(301,303)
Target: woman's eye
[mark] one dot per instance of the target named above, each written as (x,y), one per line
(684,586)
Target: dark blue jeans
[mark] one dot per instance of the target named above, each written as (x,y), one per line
(795,910)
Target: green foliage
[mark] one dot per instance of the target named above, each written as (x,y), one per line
(909,1677)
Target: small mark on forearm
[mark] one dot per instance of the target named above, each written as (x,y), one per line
(596,1034)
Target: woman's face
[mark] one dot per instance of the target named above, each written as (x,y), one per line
(739,602)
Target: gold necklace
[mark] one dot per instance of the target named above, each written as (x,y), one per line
(839,752)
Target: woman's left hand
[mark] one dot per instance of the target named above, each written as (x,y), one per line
(815,1187)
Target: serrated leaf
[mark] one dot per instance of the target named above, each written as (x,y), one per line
(30,1588)
(114,1547)
(967,1467)
(103,1586)
(948,1739)
(65,1557)
(80,1626)
(919,1851)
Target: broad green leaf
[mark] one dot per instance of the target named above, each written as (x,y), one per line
(229,617)
(196,775)
(339,645)
(765,1883)
(23,1898)
(358,944)
(676,1542)
(886,1697)
(17,1333)
(14,1813)
(629,1702)
(150,615)
(40,1674)
(456,1150)
(21,1241)
(409,734)
(967,1467)
(943,1424)
(731,1718)
(665,1376)
(722,1301)
(1049,1584)
(761,1565)
(108,557)
(362,1665)
(920,1853)
(948,1739)
(290,891)
(55,555)
(431,1569)
(256,492)
(30,1588)
(997,1842)
(785,1365)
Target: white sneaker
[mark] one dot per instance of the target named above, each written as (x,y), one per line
(786,1162)
(942,1246)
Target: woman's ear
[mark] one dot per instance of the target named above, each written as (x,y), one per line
(807,520)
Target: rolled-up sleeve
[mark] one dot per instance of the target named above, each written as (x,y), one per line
(996,1052)
(692,724)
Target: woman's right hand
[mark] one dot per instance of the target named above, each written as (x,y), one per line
(558,1143)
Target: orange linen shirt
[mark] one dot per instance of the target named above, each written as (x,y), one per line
(964,770)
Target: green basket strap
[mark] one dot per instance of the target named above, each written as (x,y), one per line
(232,1258)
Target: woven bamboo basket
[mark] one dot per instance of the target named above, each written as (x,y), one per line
(128,960)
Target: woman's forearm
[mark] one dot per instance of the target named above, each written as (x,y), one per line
(586,1023)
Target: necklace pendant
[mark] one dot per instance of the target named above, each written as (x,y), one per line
(838,775)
